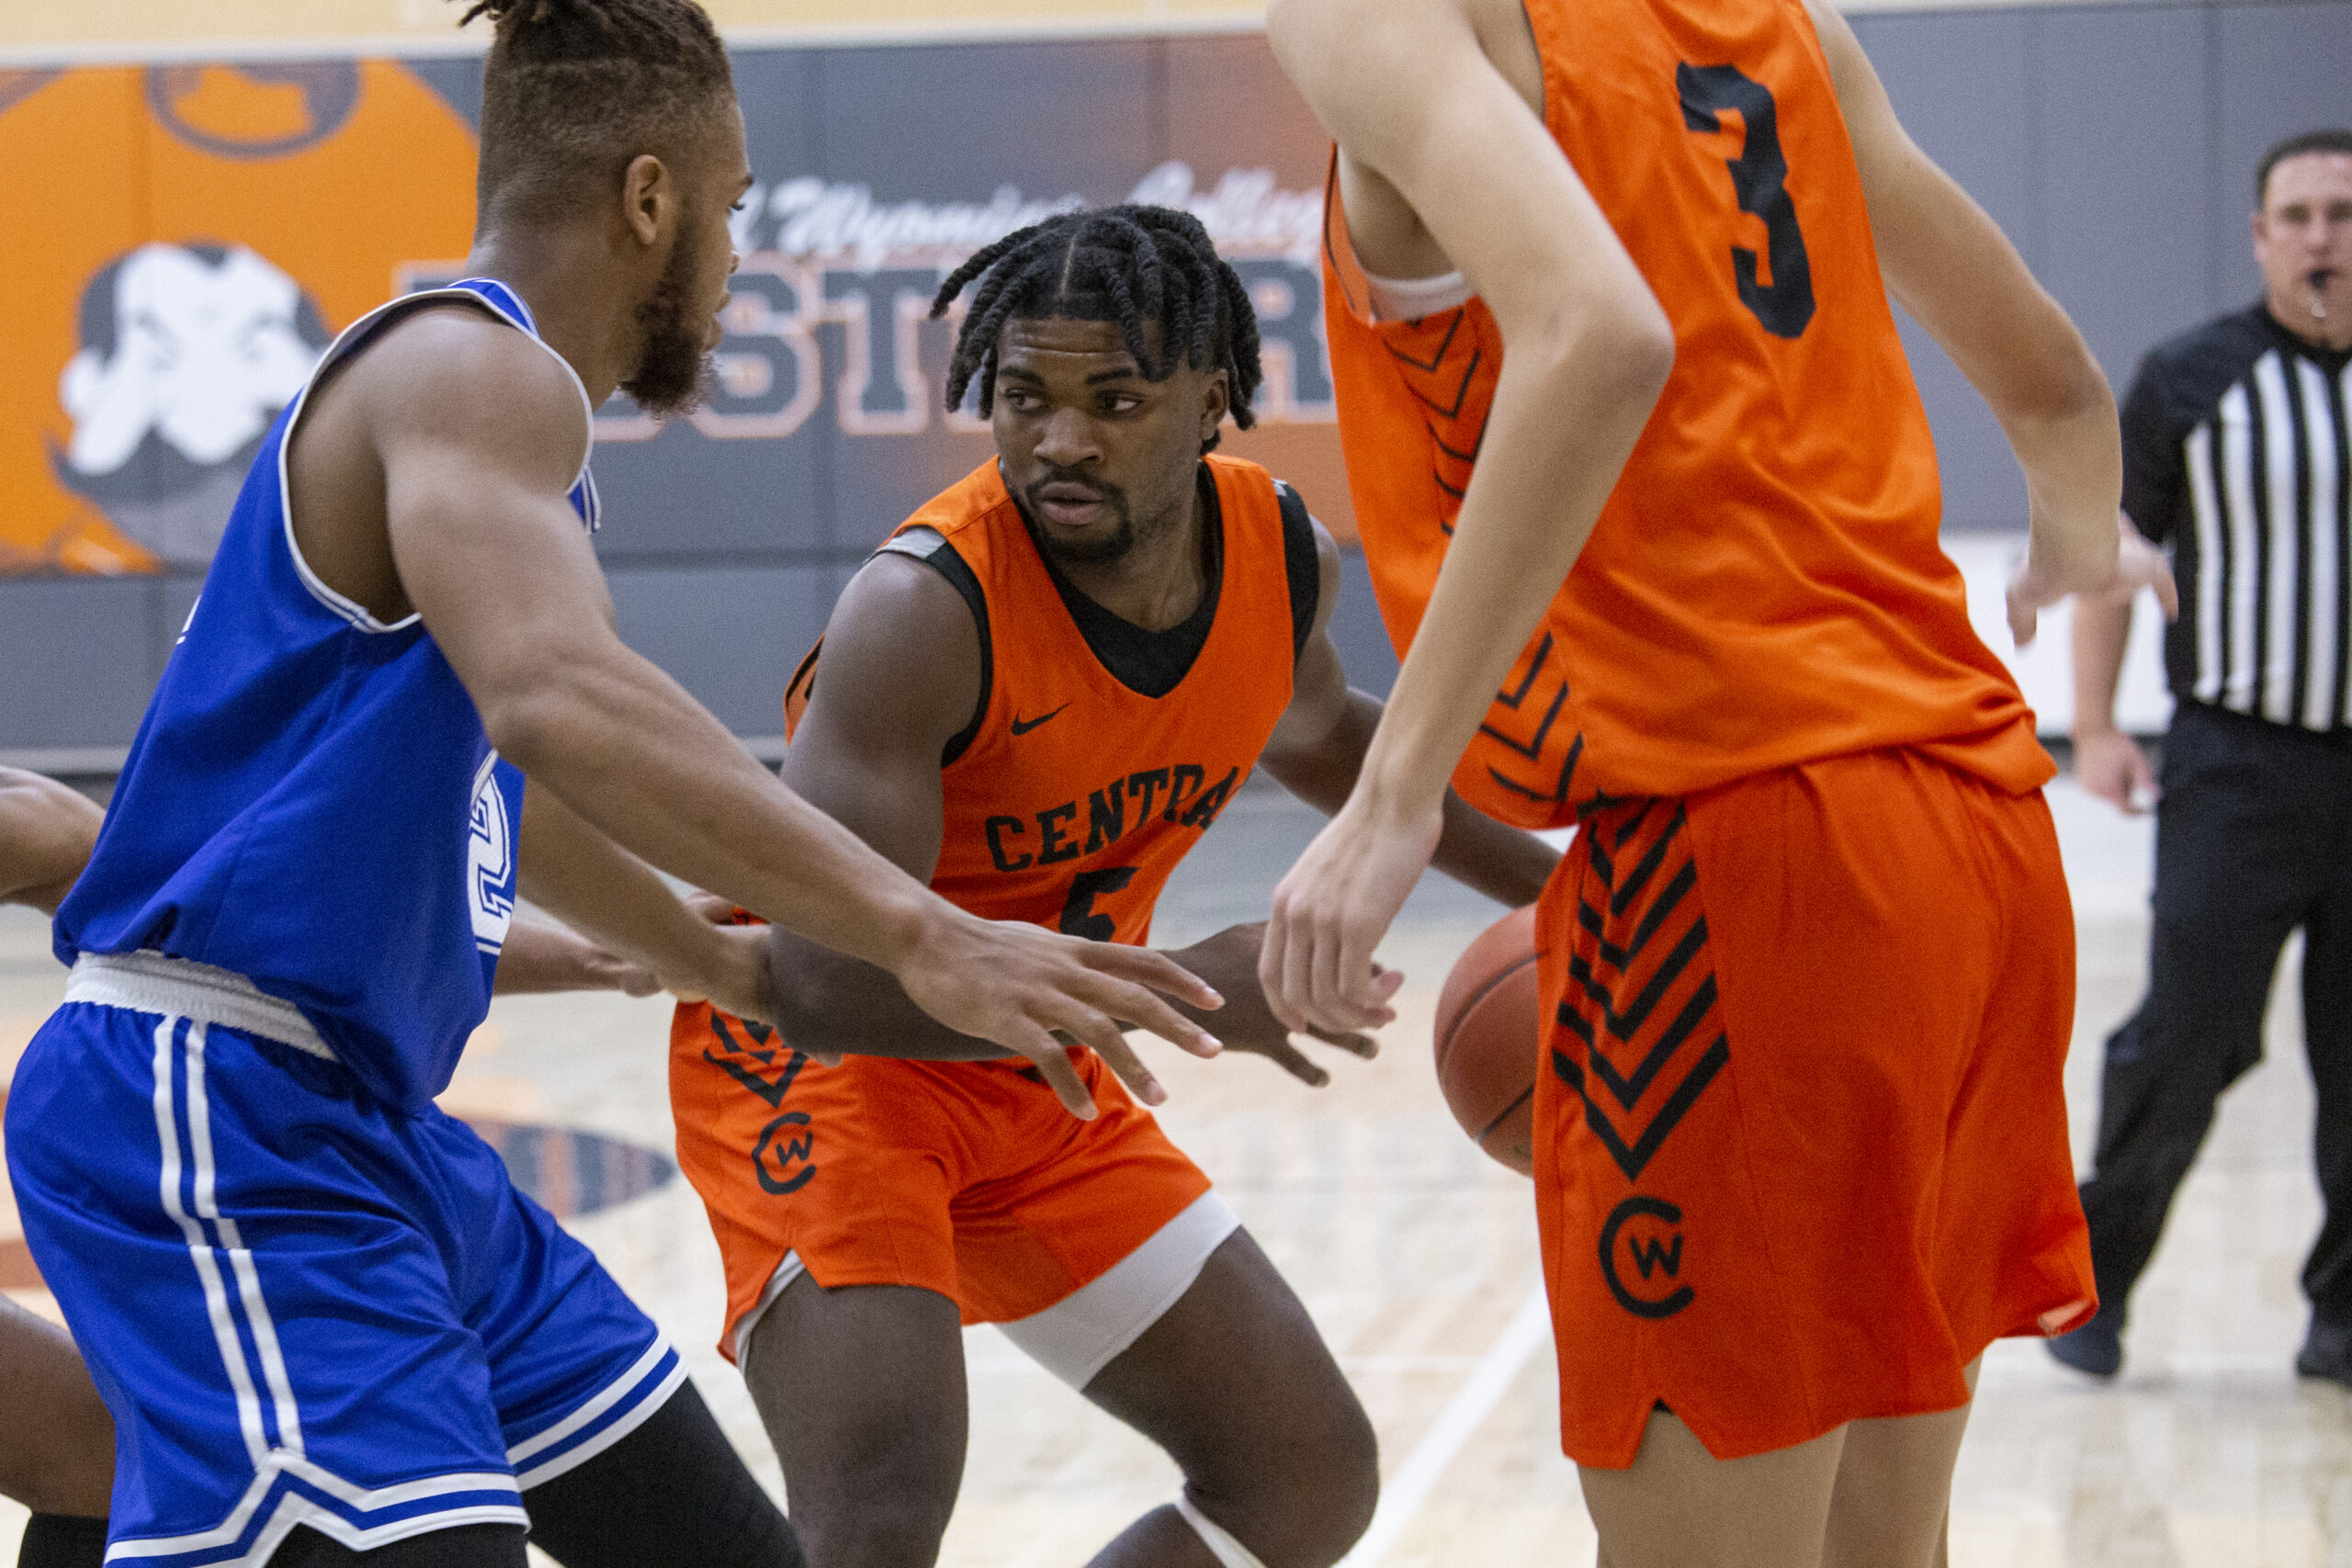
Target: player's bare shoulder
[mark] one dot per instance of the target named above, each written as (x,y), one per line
(902,659)
(444,384)
(451,372)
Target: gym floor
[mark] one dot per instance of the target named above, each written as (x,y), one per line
(1418,1258)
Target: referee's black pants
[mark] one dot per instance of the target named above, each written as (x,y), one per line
(2254,838)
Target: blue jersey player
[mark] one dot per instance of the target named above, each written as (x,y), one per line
(324,1322)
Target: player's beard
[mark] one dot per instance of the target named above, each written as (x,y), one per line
(674,369)
(1102,549)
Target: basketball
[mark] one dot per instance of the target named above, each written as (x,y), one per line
(1486,1039)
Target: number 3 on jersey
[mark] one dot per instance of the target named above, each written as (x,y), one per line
(1759,175)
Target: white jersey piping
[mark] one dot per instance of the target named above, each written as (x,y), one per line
(349,609)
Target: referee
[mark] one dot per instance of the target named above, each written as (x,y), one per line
(2238,456)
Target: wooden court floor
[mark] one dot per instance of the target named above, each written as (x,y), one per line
(1417,1258)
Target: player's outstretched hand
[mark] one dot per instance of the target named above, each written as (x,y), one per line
(1036,992)
(736,978)
(1332,910)
(1230,962)
(2040,584)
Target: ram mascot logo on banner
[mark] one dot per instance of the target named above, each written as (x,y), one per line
(203,232)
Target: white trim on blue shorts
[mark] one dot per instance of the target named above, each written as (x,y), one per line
(293,1509)
(653,1379)
(280,1463)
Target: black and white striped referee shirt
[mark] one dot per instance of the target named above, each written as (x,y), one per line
(2237,455)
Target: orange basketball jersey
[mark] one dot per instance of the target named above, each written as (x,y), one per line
(1073,795)
(1765,585)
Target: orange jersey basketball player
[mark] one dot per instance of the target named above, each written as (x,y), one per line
(1039,694)
(1646,487)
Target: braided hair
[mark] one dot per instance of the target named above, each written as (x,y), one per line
(1129,264)
(576,89)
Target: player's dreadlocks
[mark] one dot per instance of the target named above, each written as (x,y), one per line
(1129,264)
(574,89)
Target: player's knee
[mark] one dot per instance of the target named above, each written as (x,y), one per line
(878,1502)
(1349,1485)
(1310,1498)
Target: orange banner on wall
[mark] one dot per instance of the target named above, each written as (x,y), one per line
(203,230)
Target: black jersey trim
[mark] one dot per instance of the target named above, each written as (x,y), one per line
(930,547)
(1151,663)
(1303,563)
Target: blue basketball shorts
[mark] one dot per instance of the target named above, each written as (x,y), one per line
(302,1307)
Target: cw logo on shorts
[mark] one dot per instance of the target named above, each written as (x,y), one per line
(783,1158)
(1654,1252)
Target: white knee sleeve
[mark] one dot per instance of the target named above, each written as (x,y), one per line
(1219,1540)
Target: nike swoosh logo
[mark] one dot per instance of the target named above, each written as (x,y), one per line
(1023,727)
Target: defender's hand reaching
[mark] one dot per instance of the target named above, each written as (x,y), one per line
(1230,962)
(1018,985)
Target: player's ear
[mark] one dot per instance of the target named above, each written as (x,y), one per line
(1216,397)
(649,197)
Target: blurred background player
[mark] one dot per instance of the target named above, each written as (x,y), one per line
(2235,455)
(57,1453)
(321,1316)
(1801,1139)
(1039,694)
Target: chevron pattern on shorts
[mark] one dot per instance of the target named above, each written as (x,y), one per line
(1641,995)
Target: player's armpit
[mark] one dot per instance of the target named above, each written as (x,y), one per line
(46,832)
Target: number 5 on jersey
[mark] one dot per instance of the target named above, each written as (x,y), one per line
(1080,917)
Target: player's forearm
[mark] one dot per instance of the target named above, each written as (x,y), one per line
(47,832)
(573,871)
(1948,263)
(1953,269)
(1481,853)
(1563,425)
(2101,633)
(539,959)
(828,1002)
(624,747)
(2073,476)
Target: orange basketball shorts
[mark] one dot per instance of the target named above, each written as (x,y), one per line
(964,1178)
(1801,1140)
